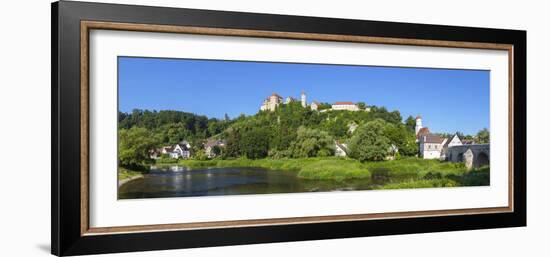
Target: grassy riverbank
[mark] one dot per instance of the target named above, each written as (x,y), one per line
(408,172)
(125,175)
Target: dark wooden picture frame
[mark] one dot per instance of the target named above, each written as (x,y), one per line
(71,22)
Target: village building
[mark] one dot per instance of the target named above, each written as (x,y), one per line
(340,150)
(183,149)
(345,106)
(431,146)
(274,100)
(453,141)
(177,151)
(271,102)
(211,144)
(314,106)
(419,129)
(289,99)
(166,150)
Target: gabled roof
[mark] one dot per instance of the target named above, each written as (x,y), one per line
(451,139)
(183,144)
(432,139)
(277,95)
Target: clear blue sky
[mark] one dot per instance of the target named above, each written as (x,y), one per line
(447,100)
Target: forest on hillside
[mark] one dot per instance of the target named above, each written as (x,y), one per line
(290,131)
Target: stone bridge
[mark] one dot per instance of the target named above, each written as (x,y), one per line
(473,156)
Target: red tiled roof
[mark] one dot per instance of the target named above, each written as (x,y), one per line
(343,103)
(423,131)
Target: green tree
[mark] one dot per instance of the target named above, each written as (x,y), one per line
(324,106)
(254,143)
(361,105)
(133,147)
(312,143)
(216,150)
(200,155)
(400,136)
(369,142)
(483,136)
(410,123)
(232,145)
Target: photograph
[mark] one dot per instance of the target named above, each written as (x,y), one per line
(198,127)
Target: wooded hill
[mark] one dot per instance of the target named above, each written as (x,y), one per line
(291,131)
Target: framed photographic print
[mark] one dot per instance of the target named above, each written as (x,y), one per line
(178,128)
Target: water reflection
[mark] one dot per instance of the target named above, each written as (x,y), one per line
(178,181)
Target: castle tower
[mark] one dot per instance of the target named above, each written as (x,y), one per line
(303,97)
(418,126)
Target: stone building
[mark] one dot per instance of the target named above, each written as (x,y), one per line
(345,106)
(271,102)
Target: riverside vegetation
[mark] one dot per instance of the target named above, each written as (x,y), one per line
(406,173)
(293,138)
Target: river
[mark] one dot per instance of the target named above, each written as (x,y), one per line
(178,181)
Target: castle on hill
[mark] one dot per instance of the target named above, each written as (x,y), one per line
(274,100)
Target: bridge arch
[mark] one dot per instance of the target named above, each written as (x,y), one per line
(482,159)
(473,156)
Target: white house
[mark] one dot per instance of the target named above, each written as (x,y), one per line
(431,146)
(183,149)
(179,150)
(169,150)
(340,150)
(345,106)
(453,141)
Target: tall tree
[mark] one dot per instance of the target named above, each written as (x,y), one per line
(410,123)
(400,136)
(254,143)
(312,143)
(483,136)
(369,142)
(133,147)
